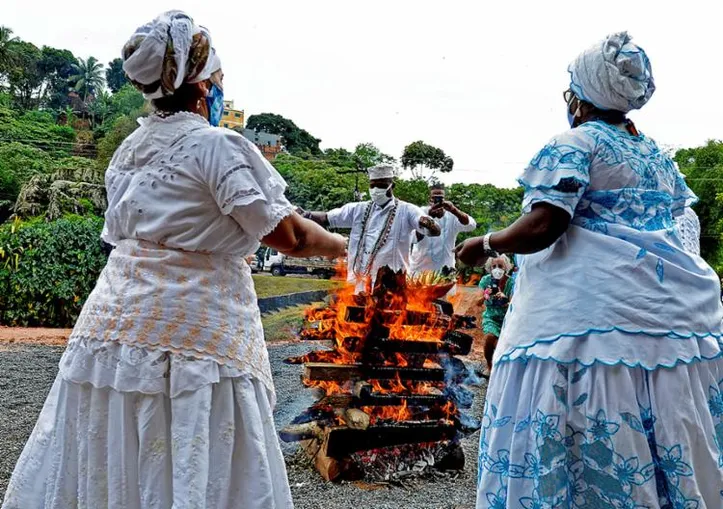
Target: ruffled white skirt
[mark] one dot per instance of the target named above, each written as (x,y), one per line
(133,428)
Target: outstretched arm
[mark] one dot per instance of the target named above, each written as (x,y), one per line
(299,237)
(319,218)
(531,233)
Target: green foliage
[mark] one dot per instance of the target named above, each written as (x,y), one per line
(115,76)
(88,77)
(18,163)
(296,140)
(24,77)
(127,102)
(47,270)
(413,191)
(7,53)
(122,127)
(36,129)
(55,67)
(315,184)
(703,167)
(492,208)
(419,157)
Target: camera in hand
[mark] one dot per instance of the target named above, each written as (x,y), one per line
(437,200)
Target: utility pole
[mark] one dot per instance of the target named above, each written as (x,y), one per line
(359,169)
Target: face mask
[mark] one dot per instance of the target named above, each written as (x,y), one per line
(570,118)
(379,196)
(214,101)
(497,273)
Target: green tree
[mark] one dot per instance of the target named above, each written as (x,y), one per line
(368,155)
(88,77)
(317,184)
(296,140)
(122,127)
(7,50)
(421,158)
(100,107)
(24,77)
(55,67)
(492,208)
(115,76)
(414,191)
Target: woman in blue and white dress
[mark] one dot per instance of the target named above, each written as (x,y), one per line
(607,389)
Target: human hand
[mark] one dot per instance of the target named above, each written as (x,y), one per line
(447,205)
(338,246)
(471,252)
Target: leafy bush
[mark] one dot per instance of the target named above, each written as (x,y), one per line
(47,270)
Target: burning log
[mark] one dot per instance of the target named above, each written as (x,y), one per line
(454,342)
(344,372)
(298,432)
(390,380)
(343,440)
(357,419)
(376,399)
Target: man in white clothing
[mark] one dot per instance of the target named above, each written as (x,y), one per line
(381,229)
(435,254)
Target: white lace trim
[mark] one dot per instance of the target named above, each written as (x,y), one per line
(127,368)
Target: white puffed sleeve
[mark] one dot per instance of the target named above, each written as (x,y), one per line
(243,183)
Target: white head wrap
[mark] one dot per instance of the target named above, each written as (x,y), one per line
(170,33)
(381,171)
(614,74)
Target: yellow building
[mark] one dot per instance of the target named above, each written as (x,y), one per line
(231,118)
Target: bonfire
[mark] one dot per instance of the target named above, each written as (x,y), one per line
(390,387)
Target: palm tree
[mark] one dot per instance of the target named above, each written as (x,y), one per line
(7,55)
(100,107)
(88,76)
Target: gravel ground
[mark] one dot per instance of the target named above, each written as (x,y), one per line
(27,372)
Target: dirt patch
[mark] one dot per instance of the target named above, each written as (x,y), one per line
(34,336)
(469,303)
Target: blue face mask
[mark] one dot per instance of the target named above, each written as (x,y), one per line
(570,118)
(214,101)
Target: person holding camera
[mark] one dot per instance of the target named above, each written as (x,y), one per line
(497,288)
(436,254)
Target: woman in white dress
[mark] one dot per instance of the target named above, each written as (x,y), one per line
(607,388)
(164,396)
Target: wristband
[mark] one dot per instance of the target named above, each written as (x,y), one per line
(486,246)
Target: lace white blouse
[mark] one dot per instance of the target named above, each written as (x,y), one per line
(175,308)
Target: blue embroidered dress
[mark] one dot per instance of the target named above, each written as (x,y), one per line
(608,382)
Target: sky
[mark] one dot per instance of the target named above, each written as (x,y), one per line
(481,80)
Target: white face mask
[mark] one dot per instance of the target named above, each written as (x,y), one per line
(497,273)
(379,196)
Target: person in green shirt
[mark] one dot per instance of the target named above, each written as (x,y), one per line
(497,291)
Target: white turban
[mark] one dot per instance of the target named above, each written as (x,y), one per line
(381,172)
(614,74)
(170,35)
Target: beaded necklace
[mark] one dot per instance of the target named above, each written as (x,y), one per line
(381,240)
